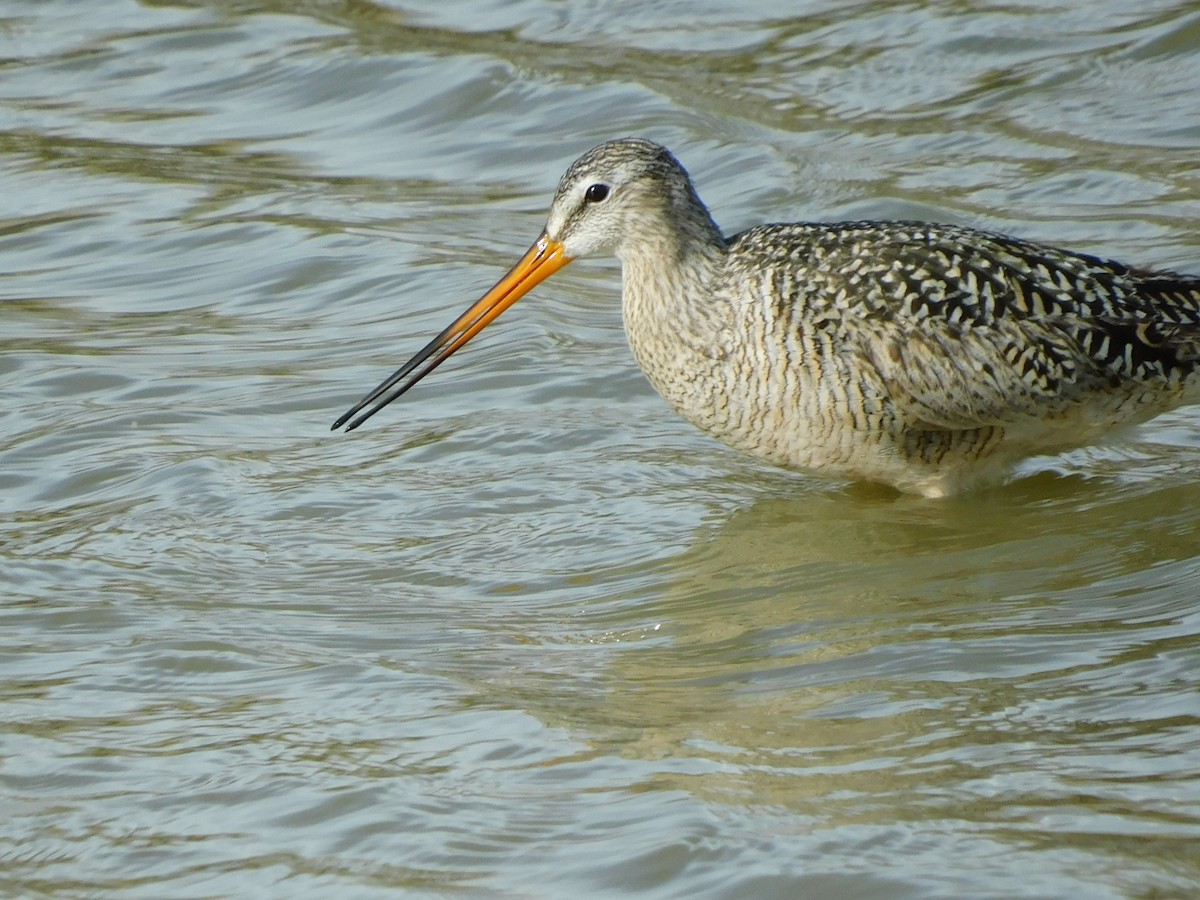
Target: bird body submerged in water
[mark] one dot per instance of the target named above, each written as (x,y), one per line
(928,357)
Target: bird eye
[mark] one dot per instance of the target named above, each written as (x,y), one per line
(596,193)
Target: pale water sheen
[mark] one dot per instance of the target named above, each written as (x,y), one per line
(527,633)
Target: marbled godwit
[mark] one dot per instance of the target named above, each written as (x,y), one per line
(927,357)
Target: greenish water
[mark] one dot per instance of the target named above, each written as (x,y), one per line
(527,634)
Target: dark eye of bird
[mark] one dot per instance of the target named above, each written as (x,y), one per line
(596,193)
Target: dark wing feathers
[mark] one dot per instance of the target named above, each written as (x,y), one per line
(970,328)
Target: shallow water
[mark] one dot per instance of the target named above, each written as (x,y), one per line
(528,634)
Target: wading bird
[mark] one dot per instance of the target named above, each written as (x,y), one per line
(927,357)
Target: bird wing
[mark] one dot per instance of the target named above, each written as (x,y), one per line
(967,329)
(947,376)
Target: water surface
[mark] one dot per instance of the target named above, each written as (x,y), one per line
(527,633)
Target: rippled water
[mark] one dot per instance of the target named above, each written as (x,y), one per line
(528,634)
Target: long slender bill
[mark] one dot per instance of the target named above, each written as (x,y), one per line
(542,260)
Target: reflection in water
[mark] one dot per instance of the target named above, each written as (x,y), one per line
(858,659)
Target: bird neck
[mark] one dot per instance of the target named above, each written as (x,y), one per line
(674,315)
(675,242)
(671,261)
